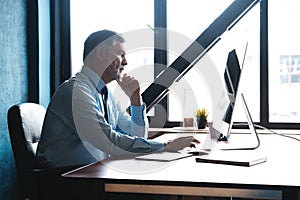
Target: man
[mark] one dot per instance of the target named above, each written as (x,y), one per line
(83,122)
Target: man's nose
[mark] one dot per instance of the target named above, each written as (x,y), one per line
(124,61)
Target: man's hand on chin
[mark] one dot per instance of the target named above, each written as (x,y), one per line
(131,87)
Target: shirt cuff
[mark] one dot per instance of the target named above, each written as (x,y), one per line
(137,111)
(157,146)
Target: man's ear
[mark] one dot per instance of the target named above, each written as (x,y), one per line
(99,51)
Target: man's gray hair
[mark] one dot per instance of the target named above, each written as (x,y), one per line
(102,37)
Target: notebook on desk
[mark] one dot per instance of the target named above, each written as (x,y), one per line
(164,156)
(238,157)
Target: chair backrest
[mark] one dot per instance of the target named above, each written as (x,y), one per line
(25,121)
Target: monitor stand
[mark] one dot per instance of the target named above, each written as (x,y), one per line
(228,140)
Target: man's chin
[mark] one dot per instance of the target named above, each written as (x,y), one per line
(118,77)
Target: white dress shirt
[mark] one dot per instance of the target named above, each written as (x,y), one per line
(75,131)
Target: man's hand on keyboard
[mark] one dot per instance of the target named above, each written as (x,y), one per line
(180,143)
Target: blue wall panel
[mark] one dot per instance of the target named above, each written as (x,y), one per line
(13,87)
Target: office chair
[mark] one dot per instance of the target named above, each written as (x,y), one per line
(25,121)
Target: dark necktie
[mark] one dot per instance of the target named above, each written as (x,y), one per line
(104,97)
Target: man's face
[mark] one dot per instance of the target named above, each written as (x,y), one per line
(115,62)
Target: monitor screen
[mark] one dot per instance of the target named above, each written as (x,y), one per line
(232,77)
(222,123)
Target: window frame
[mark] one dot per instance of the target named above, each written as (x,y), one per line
(264,74)
(60,58)
(32,51)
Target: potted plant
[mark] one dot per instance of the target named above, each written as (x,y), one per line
(201,115)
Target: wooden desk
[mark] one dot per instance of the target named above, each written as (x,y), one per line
(278,178)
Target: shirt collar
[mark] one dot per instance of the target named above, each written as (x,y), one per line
(94,77)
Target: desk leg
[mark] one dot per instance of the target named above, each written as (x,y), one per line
(180,197)
(289,194)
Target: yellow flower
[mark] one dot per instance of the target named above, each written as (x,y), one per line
(202,112)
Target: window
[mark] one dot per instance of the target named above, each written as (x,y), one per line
(44,53)
(271,70)
(132,19)
(193,91)
(284,61)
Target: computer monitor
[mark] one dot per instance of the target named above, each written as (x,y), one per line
(232,76)
(222,123)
